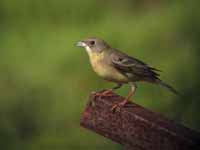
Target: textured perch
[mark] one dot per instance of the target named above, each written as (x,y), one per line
(136,127)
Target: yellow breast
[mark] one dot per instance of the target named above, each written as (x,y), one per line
(105,70)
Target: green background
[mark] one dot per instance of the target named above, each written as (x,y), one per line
(45,80)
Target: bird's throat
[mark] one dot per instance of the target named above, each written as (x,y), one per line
(88,49)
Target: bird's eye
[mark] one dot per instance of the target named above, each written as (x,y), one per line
(92,42)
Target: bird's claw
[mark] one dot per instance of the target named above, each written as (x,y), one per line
(117,107)
(106,93)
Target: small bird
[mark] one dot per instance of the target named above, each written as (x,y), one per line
(116,66)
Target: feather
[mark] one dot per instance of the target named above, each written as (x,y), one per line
(169,87)
(128,65)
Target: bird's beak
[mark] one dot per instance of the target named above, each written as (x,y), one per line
(81,44)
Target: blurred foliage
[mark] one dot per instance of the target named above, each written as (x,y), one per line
(45,80)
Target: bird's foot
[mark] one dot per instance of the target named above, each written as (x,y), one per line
(106,93)
(117,107)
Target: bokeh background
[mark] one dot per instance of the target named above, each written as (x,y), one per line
(45,80)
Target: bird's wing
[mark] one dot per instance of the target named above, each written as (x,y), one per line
(129,65)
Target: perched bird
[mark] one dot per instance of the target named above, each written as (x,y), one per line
(116,66)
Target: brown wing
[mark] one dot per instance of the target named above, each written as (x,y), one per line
(133,68)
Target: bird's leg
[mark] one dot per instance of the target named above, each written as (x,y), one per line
(108,92)
(124,102)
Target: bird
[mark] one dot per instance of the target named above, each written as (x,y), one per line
(116,66)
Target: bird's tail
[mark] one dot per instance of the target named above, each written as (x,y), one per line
(167,86)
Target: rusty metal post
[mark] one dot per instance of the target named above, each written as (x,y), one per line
(136,127)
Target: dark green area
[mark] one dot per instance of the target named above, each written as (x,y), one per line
(45,80)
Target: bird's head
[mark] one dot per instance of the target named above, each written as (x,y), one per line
(93,45)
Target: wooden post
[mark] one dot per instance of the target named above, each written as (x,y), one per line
(136,127)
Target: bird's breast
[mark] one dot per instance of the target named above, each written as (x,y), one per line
(106,70)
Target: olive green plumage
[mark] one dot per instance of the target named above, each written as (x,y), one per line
(116,66)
